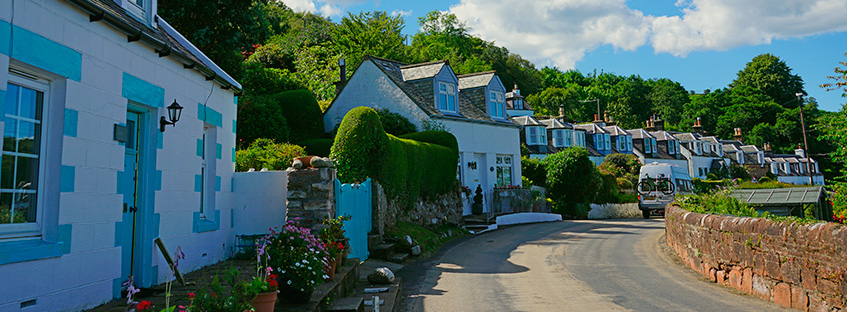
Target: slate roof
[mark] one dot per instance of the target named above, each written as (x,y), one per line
(527,121)
(172,43)
(553,123)
(639,133)
(475,80)
(750,149)
(663,135)
(686,136)
(591,128)
(615,130)
(419,88)
(711,139)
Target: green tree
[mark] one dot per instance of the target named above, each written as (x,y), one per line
(370,33)
(547,102)
(766,72)
(667,98)
(572,181)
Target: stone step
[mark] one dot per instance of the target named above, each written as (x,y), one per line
(373,241)
(348,304)
(341,286)
(382,251)
(398,257)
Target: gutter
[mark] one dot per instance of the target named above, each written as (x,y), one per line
(163,49)
(484,122)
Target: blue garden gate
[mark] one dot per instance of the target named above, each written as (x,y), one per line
(355,200)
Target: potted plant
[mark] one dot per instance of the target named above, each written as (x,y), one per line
(334,232)
(476,207)
(264,284)
(298,258)
(226,293)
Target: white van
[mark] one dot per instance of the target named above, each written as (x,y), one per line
(658,183)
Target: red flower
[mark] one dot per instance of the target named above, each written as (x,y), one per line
(191,296)
(272,282)
(143,305)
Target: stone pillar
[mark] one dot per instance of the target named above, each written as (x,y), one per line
(311,196)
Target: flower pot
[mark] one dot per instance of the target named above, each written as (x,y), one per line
(265,302)
(330,271)
(338,263)
(306,160)
(294,296)
(346,242)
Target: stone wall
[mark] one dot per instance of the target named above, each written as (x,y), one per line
(311,196)
(443,209)
(798,266)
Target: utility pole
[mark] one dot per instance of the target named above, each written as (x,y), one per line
(599,115)
(805,141)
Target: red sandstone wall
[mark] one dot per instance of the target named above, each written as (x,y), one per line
(798,266)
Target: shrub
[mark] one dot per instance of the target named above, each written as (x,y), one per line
(718,202)
(405,167)
(260,117)
(318,147)
(394,123)
(360,146)
(624,167)
(258,80)
(533,169)
(264,153)
(765,180)
(572,181)
(766,184)
(608,189)
(303,114)
(739,172)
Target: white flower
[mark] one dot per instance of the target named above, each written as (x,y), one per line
(289,282)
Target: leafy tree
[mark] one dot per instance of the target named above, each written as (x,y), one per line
(370,33)
(766,72)
(222,37)
(667,98)
(833,129)
(547,102)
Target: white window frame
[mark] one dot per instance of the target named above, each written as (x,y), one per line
(559,138)
(46,157)
(671,149)
(647,146)
(502,164)
(536,135)
(448,92)
(568,134)
(497,105)
(208,172)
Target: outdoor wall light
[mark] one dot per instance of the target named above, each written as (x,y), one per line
(174,111)
(472,165)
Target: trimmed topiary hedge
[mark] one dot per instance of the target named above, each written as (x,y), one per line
(572,181)
(395,124)
(406,167)
(303,114)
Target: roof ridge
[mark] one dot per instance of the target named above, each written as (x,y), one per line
(423,64)
(401,64)
(477,74)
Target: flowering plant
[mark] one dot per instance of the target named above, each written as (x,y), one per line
(265,280)
(298,257)
(335,228)
(334,248)
(225,293)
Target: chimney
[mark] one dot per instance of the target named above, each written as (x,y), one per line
(599,121)
(800,151)
(561,111)
(768,151)
(737,136)
(659,124)
(610,121)
(516,90)
(650,126)
(342,79)
(697,128)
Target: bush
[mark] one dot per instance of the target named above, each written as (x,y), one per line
(533,169)
(318,147)
(405,167)
(739,172)
(360,146)
(766,185)
(303,114)
(608,191)
(260,117)
(264,153)
(719,202)
(572,181)
(258,80)
(624,167)
(395,124)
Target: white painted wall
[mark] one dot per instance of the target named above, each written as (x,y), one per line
(260,201)
(375,90)
(85,276)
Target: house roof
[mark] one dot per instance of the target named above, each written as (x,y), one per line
(527,121)
(615,130)
(711,139)
(663,135)
(475,80)
(639,133)
(730,148)
(750,149)
(780,196)
(591,128)
(686,136)
(420,90)
(553,123)
(164,39)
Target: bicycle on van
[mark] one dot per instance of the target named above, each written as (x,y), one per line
(661,184)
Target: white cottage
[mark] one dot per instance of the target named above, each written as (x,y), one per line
(93,170)
(469,106)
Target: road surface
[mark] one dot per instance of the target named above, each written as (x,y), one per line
(587,265)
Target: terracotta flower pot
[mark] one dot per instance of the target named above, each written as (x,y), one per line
(265,302)
(331,270)
(306,160)
(338,263)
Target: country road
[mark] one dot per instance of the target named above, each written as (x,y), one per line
(587,265)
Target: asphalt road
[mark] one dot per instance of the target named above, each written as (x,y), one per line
(590,265)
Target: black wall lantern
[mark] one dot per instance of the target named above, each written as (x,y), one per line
(472,165)
(174,111)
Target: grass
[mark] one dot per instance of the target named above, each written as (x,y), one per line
(429,239)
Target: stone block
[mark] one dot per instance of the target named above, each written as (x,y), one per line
(761,287)
(808,277)
(826,286)
(296,194)
(321,187)
(772,266)
(293,204)
(713,275)
(790,272)
(782,294)
(734,278)
(721,276)
(799,298)
(816,304)
(747,280)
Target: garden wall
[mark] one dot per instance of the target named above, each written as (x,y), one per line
(259,202)
(436,210)
(798,266)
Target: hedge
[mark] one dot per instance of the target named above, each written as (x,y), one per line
(318,147)
(406,167)
(533,169)
(303,114)
(395,124)
(265,153)
(260,117)
(572,181)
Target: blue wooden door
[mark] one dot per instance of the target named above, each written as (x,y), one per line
(128,186)
(355,200)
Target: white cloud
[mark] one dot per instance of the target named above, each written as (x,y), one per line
(562,31)
(328,8)
(401,13)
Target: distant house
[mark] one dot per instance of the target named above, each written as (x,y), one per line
(534,135)
(793,168)
(472,107)
(91,175)
(516,104)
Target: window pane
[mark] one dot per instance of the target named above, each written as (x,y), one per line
(26,137)
(9,135)
(30,100)
(451,103)
(6,208)
(442,101)
(7,172)
(493,96)
(27,173)
(500,176)
(442,87)
(12,99)
(507,175)
(508,160)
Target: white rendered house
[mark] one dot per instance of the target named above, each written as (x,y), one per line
(92,180)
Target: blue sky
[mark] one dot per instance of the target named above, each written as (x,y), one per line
(700,43)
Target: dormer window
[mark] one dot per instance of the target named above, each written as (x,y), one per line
(536,135)
(568,137)
(608,139)
(518,103)
(671,148)
(647,146)
(447,97)
(559,138)
(628,143)
(655,149)
(496,108)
